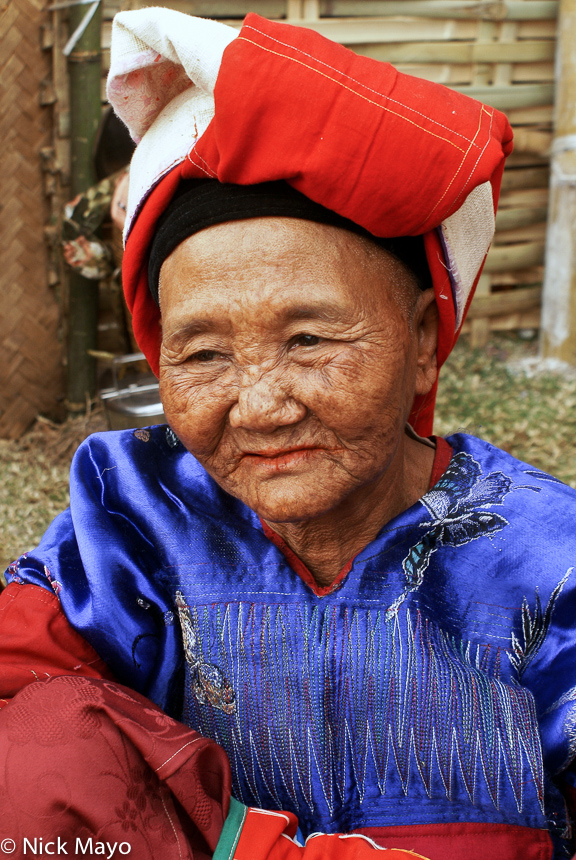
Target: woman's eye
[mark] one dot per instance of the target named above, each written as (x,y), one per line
(306,340)
(204,355)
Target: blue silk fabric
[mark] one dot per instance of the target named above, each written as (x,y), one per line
(436,683)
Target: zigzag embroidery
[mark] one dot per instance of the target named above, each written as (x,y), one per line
(330,701)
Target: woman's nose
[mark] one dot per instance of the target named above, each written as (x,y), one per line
(263,406)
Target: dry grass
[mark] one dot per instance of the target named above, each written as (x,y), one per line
(34,480)
(534,419)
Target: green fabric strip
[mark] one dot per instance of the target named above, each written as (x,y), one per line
(231,831)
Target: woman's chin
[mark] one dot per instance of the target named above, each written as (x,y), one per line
(292,500)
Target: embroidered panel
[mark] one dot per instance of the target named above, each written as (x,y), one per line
(322,709)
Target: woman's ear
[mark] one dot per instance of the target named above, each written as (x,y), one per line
(426,328)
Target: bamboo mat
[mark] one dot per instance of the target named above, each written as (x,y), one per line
(30,369)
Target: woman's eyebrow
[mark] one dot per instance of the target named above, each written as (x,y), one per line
(315,310)
(190,329)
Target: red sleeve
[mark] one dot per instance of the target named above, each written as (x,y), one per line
(37,641)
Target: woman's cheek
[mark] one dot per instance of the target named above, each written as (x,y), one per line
(352,377)
(195,410)
(182,390)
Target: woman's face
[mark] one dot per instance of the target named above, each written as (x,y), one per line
(291,354)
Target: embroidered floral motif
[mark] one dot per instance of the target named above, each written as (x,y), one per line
(208,684)
(456,504)
(56,586)
(142,434)
(13,568)
(171,438)
(535,626)
(567,700)
(542,476)
(128,816)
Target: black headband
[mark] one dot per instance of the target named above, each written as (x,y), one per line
(200,203)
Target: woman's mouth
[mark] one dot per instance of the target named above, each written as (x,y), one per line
(280,459)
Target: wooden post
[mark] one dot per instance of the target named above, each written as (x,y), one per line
(84,65)
(558,331)
(480,326)
(306,10)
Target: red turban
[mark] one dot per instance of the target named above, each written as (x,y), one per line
(398,155)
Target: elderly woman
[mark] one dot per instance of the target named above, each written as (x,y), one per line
(294,593)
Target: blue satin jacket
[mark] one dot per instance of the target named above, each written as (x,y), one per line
(436,683)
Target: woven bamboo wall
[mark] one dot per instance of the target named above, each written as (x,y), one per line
(30,370)
(500,51)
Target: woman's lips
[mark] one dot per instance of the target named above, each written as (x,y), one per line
(280,460)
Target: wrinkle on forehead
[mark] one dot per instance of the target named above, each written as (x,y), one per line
(289,245)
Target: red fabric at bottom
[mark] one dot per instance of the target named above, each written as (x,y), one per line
(84,759)
(268,836)
(467,841)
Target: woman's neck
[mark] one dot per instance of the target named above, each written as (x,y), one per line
(326,543)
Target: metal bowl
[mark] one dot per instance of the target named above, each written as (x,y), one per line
(134,406)
(132,401)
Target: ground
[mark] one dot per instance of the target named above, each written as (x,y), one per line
(480,392)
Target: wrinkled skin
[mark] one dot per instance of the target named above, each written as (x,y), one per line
(291,355)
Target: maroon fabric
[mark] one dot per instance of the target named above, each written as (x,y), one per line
(83,758)
(442,459)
